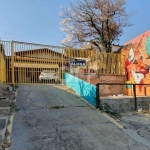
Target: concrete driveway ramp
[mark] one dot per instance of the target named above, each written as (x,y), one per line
(53,118)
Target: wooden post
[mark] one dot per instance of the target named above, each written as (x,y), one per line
(108,63)
(12,62)
(118,66)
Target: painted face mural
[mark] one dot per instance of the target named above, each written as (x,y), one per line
(137,77)
(131,55)
(137,63)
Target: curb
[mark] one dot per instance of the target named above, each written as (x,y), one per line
(113,121)
(9,129)
(134,122)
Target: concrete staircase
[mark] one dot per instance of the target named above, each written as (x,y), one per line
(7,97)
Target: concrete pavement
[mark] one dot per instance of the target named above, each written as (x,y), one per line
(137,125)
(54,118)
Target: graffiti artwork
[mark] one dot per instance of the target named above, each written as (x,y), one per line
(137,63)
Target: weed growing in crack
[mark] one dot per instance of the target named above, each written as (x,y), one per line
(13,107)
(107,109)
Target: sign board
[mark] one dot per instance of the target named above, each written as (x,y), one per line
(77,62)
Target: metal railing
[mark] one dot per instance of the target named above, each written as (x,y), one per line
(98,97)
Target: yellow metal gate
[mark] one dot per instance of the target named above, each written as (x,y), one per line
(32,63)
(22,62)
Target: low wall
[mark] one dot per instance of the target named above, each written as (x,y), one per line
(106,90)
(82,88)
(119,103)
(126,104)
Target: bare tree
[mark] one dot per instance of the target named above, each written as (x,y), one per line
(99,22)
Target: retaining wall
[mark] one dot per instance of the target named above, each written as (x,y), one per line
(126,104)
(82,88)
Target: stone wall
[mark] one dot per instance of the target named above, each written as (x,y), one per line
(126,104)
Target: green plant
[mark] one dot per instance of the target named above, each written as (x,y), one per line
(107,109)
(14,107)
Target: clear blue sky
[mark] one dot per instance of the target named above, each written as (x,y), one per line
(38,21)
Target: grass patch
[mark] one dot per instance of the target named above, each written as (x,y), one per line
(13,107)
(107,109)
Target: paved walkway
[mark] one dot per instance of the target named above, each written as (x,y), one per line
(137,125)
(53,118)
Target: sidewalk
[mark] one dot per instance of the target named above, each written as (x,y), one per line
(137,126)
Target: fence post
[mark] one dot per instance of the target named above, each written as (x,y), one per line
(12,62)
(118,64)
(134,94)
(97,96)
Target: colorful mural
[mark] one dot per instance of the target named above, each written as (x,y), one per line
(136,60)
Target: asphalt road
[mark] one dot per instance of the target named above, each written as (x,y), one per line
(54,118)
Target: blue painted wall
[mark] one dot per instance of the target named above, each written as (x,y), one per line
(82,88)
